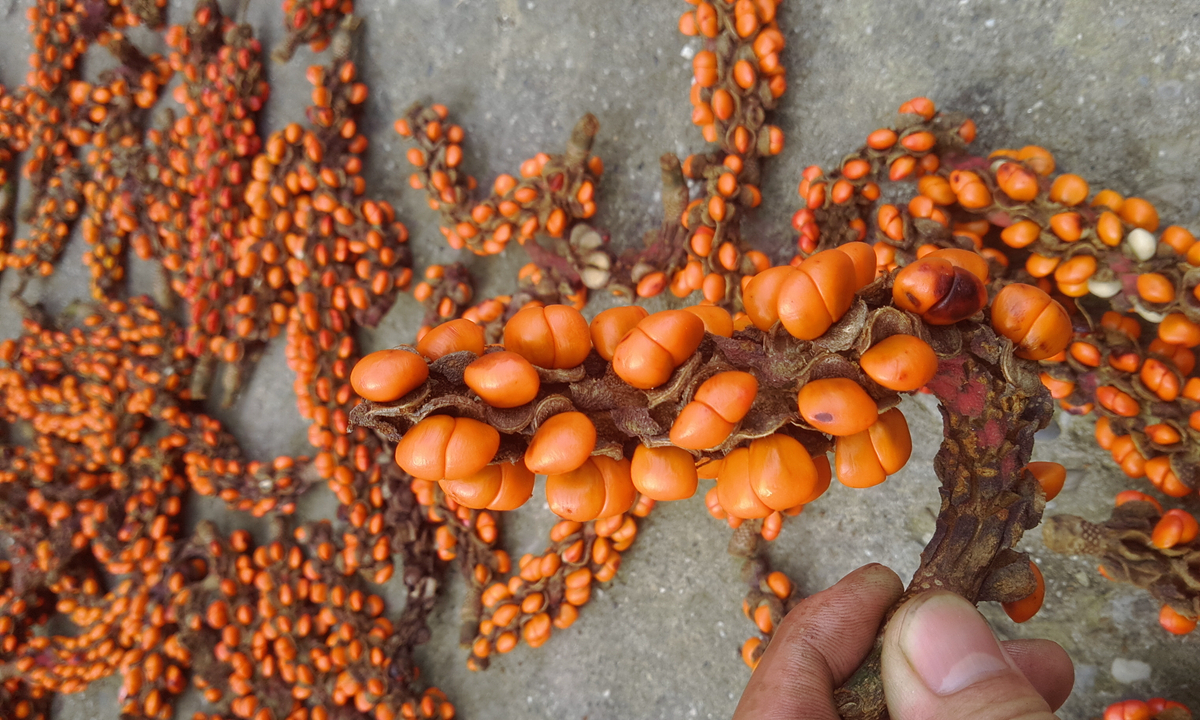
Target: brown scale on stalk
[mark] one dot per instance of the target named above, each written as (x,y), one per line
(1128,554)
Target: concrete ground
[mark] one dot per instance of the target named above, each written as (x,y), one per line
(1110,86)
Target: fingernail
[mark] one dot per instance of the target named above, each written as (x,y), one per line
(950,645)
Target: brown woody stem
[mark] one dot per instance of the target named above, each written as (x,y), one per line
(990,414)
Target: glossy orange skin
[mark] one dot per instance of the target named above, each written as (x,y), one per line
(901,362)
(1174,623)
(1032,320)
(733,487)
(664,473)
(865,459)
(941,292)
(718,405)
(782,473)
(659,344)
(965,259)
(761,297)
(561,443)
(716,320)
(1021,234)
(503,379)
(1025,608)
(818,294)
(730,394)
(1178,330)
(1050,475)
(555,336)
(699,427)
(506,486)
(610,327)
(453,336)
(619,492)
(801,309)
(862,256)
(601,487)
(837,406)
(388,375)
(441,446)
(576,495)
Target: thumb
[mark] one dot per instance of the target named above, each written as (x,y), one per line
(942,662)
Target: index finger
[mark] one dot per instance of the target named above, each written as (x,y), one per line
(818,646)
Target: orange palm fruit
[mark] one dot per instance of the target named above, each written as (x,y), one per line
(734,493)
(619,492)
(1139,213)
(505,486)
(837,406)
(863,257)
(1025,608)
(1050,475)
(719,404)
(388,375)
(1176,329)
(453,336)
(866,458)
(1155,288)
(1176,624)
(1017,182)
(561,443)
(608,328)
(656,346)
(782,473)
(600,487)
(761,297)
(1128,709)
(824,478)
(941,292)
(818,294)
(1175,527)
(503,379)
(1020,234)
(1069,189)
(554,336)
(968,260)
(441,446)
(901,362)
(664,473)
(576,495)
(717,320)
(1032,320)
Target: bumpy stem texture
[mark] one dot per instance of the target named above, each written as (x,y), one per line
(991,409)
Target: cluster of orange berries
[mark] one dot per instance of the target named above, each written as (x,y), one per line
(312,23)
(110,116)
(1152,709)
(1036,227)
(202,163)
(552,194)
(37,115)
(287,633)
(546,591)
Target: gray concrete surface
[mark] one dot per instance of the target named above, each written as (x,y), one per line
(1108,85)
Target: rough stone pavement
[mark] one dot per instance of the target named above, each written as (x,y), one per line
(1110,86)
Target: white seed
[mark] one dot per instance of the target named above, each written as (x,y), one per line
(585,237)
(599,259)
(1103,288)
(1142,243)
(1154,317)
(594,278)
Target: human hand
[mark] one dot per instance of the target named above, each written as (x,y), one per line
(940,658)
